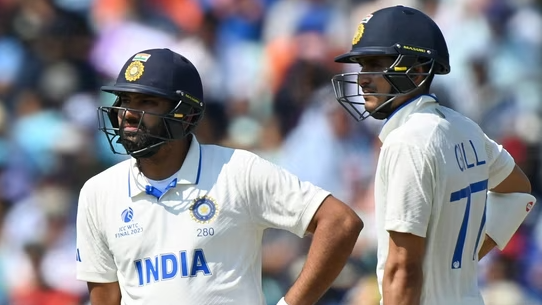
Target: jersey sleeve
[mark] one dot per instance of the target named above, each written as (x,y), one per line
(95,262)
(500,162)
(408,177)
(278,199)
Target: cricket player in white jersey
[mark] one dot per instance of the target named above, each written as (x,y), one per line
(182,223)
(436,168)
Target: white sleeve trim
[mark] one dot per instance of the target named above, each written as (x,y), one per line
(310,211)
(94,277)
(498,177)
(406,227)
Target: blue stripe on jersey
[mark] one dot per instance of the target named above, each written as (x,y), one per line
(199,166)
(406,103)
(129,189)
(197,177)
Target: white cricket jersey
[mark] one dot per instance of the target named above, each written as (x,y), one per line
(433,173)
(200,243)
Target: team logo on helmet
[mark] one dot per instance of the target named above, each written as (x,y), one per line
(204,209)
(141,57)
(367,18)
(361,29)
(359,33)
(134,71)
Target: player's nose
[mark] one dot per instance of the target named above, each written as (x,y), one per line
(129,116)
(364,80)
(129,113)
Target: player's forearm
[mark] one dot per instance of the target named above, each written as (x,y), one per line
(104,293)
(487,246)
(402,285)
(331,246)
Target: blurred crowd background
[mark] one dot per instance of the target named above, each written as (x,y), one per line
(266,67)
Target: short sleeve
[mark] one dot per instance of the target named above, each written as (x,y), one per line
(409,179)
(278,199)
(95,262)
(500,162)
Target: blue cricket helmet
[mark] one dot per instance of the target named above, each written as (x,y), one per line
(160,73)
(402,32)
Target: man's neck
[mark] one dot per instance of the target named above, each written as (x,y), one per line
(166,162)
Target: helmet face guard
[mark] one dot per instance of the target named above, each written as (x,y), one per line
(400,75)
(175,125)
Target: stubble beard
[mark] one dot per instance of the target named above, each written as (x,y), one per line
(145,137)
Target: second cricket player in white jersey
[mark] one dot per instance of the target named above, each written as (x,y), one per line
(432,178)
(445,193)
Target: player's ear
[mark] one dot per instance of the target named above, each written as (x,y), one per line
(419,68)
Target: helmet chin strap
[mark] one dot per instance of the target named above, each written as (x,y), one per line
(146,152)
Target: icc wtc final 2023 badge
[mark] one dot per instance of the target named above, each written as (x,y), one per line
(134,71)
(204,209)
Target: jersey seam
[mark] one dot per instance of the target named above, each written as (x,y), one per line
(247,188)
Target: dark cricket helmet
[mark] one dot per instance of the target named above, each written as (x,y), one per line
(159,73)
(404,33)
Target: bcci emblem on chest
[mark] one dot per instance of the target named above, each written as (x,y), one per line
(204,209)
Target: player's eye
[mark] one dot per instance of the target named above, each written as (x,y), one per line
(372,67)
(149,102)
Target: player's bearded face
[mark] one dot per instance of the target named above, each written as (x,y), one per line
(145,136)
